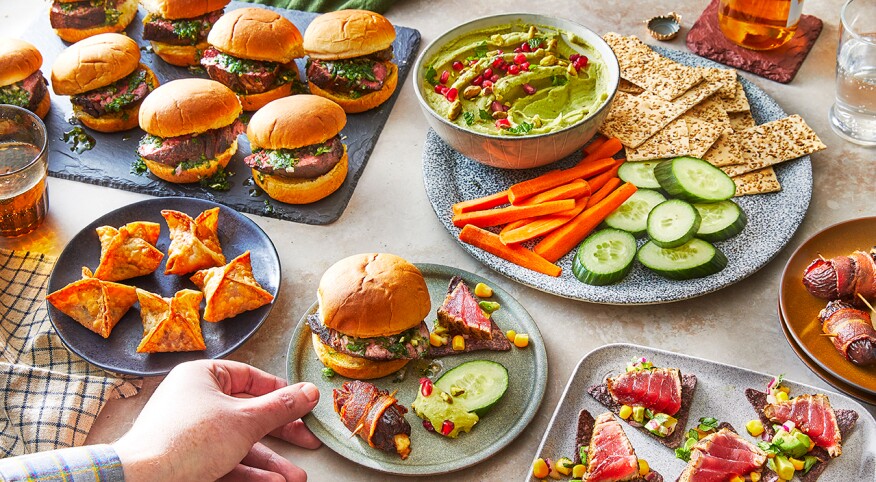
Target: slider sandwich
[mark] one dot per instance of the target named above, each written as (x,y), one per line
(21,81)
(178,29)
(74,20)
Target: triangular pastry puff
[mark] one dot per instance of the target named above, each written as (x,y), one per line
(194,243)
(170,324)
(230,289)
(129,251)
(97,305)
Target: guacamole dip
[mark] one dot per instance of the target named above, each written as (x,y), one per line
(516,80)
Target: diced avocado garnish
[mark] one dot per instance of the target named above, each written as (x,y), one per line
(808,462)
(661,425)
(582,452)
(639,414)
(795,444)
(784,467)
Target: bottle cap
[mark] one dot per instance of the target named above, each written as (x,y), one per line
(664,27)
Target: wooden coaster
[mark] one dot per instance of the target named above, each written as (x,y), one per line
(706,40)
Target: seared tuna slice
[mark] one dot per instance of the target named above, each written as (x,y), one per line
(610,456)
(812,415)
(462,315)
(657,389)
(721,456)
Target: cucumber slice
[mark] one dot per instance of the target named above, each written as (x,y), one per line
(673,223)
(483,383)
(720,220)
(694,259)
(694,180)
(639,173)
(632,215)
(605,257)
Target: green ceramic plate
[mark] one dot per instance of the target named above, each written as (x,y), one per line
(432,453)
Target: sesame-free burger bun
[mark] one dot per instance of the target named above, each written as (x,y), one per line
(345,34)
(296,121)
(179,55)
(257,34)
(178,9)
(93,63)
(303,190)
(188,106)
(364,102)
(354,367)
(373,294)
(127,11)
(18,59)
(195,174)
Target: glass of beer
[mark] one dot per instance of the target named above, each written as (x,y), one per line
(853,115)
(759,24)
(23,169)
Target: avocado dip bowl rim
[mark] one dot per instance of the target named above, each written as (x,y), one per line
(529,150)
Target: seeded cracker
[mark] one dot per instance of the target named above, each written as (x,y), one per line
(710,110)
(671,141)
(774,142)
(740,121)
(649,70)
(727,79)
(701,135)
(738,103)
(630,88)
(725,151)
(757,182)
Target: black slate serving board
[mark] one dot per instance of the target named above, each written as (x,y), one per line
(109,163)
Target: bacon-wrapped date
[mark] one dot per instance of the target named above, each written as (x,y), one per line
(842,277)
(850,330)
(374,415)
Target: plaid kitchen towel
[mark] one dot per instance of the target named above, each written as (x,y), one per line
(379,6)
(49,397)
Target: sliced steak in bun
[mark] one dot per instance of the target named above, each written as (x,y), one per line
(178,29)
(350,59)
(74,20)
(370,318)
(253,51)
(105,81)
(192,127)
(21,81)
(297,153)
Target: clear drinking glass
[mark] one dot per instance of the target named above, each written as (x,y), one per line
(853,115)
(23,169)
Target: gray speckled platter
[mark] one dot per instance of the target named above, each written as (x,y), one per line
(772,218)
(432,453)
(720,393)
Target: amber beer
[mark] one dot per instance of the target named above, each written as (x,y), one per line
(759,24)
(23,197)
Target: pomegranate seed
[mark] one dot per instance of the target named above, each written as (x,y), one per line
(528,89)
(574,57)
(500,51)
(582,60)
(451,94)
(514,69)
(457,65)
(503,124)
(524,66)
(444,77)
(487,84)
(518,50)
(525,47)
(519,59)
(488,73)
(439,89)
(542,45)
(444,90)
(425,387)
(472,61)
(505,67)
(478,80)
(497,106)
(428,426)
(494,78)
(446,427)
(498,62)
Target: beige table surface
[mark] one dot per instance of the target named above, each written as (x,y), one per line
(737,325)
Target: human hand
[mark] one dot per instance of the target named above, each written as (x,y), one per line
(205,420)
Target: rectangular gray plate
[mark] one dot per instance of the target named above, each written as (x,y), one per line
(109,163)
(720,393)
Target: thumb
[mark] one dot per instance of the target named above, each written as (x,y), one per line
(282,406)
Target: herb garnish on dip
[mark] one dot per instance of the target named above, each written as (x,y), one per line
(516,80)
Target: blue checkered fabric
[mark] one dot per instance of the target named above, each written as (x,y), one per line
(92,463)
(49,397)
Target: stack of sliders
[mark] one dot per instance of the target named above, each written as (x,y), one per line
(105,81)
(178,29)
(253,52)
(74,20)
(350,59)
(21,81)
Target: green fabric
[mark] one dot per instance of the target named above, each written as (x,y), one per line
(379,6)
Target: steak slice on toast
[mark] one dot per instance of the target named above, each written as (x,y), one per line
(461,315)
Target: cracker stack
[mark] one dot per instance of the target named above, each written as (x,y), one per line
(665,109)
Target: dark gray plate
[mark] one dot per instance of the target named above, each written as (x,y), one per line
(109,163)
(772,218)
(720,393)
(431,453)
(118,353)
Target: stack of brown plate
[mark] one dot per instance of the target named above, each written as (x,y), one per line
(798,310)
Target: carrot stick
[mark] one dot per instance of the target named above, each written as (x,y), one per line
(489,242)
(542,225)
(595,143)
(604,191)
(600,180)
(553,179)
(495,217)
(571,190)
(564,239)
(516,224)
(486,202)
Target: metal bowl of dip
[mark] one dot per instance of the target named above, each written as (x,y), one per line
(550,111)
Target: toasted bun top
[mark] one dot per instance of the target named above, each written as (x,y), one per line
(373,294)
(94,62)
(188,106)
(257,34)
(345,34)
(296,121)
(18,59)
(177,9)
